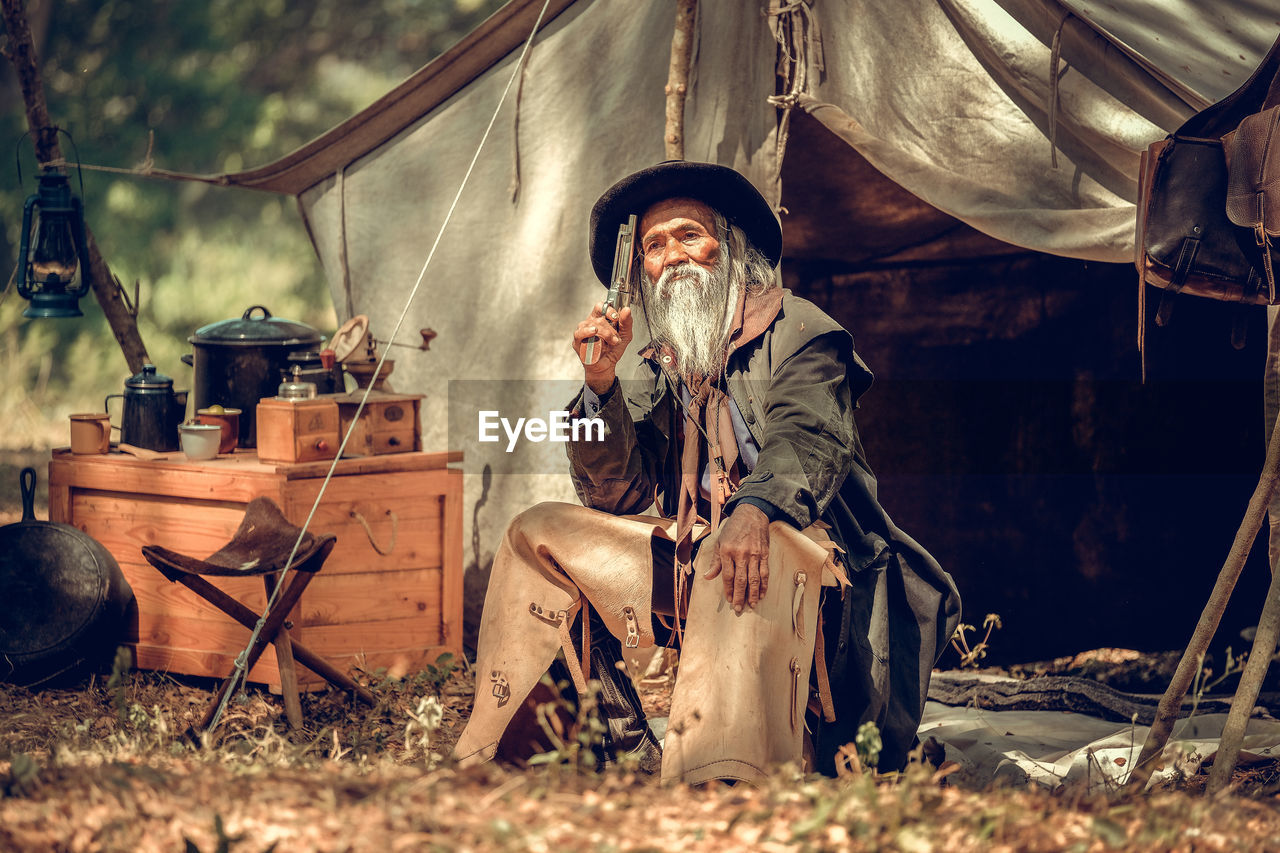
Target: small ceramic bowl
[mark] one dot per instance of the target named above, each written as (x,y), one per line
(200,441)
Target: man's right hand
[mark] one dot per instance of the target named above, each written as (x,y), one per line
(614,339)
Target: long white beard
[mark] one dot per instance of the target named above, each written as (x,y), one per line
(690,309)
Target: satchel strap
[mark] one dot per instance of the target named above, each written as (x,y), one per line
(1260,91)
(1178,280)
(1242,311)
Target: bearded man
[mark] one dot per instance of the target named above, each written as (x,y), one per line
(798,605)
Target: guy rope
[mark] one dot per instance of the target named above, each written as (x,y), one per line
(238,673)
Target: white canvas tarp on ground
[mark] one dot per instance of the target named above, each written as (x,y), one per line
(955,100)
(1060,749)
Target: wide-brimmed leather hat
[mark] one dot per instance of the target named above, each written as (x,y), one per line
(719,187)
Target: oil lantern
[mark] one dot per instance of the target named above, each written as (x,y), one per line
(53,255)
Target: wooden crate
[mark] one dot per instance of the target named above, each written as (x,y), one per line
(390,594)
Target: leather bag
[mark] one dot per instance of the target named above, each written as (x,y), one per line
(1209,200)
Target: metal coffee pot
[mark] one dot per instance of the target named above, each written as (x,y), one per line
(152,411)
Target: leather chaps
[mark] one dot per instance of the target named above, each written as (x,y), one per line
(742,689)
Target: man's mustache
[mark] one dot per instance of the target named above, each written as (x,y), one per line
(680,272)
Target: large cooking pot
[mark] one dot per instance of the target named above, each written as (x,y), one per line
(238,362)
(63,601)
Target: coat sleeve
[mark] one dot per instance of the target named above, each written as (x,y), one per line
(616,472)
(808,433)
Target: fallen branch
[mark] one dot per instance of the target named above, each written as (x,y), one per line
(1064,693)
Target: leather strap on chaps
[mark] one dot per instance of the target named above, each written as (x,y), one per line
(824,679)
(580,672)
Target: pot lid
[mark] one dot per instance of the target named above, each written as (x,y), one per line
(148,378)
(248,330)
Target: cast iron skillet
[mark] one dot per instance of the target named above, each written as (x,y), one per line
(63,599)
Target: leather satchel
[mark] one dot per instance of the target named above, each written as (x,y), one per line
(1209,201)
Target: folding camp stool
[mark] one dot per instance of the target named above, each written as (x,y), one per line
(261,547)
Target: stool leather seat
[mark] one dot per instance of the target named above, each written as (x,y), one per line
(261,545)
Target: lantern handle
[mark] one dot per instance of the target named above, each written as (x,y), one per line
(17,155)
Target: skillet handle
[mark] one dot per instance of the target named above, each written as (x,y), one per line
(28,480)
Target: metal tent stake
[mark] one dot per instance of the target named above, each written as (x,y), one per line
(1251,681)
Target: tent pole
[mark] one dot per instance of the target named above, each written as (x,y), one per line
(1264,646)
(22,53)
(678,77)
(1193,657)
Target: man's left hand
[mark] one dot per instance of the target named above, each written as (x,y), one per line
(741,557)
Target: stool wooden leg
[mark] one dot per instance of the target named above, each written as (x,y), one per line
(248,618)
(284,662)
(272,627)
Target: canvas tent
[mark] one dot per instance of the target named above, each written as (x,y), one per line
(892,133)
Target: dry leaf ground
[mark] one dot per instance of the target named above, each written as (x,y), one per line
(95,767)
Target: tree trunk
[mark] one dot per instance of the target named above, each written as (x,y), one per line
(44,134)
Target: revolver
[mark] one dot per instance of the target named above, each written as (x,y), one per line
(619,286)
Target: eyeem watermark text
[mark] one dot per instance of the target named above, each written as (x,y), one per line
(557,427)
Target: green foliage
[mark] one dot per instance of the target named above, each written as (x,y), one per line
(24,776)
(223,86)
(435,675)
(868,741)
(118,683)
(576,748)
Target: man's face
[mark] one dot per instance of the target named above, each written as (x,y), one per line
(688,298)
(677,231)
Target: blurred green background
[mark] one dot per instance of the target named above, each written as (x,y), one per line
(224,85)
